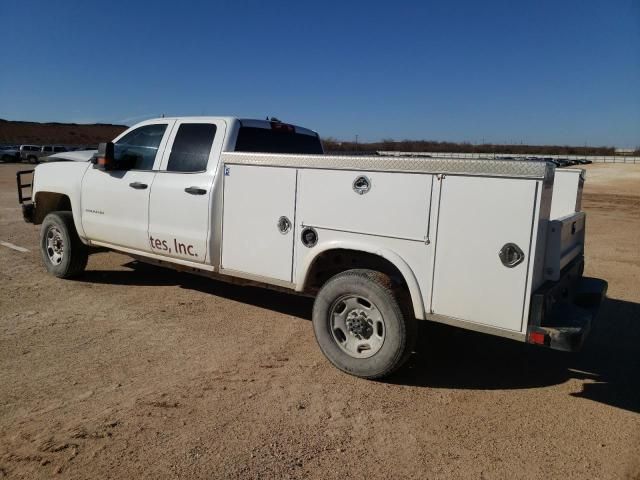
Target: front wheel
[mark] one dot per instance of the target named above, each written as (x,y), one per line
(361,324)
(63,253)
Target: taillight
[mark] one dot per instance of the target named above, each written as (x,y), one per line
(538,338)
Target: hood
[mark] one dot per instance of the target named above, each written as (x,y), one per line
(77,156)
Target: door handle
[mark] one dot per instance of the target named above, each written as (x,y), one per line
(138,185)
(195,190)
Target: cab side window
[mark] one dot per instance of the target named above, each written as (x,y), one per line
(191,147)
(138,148)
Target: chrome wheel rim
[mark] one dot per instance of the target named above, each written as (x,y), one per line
(357,326)
(55,245)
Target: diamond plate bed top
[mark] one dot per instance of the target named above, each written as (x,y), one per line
(456,166)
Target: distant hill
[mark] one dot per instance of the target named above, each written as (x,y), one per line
(333,145)
(15,132)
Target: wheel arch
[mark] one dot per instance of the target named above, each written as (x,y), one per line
(317,268)
(47,202)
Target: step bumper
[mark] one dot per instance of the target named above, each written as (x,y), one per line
(563,312)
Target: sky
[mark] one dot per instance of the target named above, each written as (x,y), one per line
(536,72)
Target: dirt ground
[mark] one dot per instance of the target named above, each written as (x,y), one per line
(134,371)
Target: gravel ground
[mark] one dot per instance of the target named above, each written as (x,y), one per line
(134,371)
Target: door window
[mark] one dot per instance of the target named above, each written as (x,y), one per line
(191,147)
(138,148)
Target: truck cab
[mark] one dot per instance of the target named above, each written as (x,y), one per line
(161,203)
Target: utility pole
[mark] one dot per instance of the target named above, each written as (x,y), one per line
(356,142)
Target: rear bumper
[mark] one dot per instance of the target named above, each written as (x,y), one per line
(563,312)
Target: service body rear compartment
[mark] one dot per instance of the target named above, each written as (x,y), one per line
(478,216)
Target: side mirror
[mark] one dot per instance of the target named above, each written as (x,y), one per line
(104,159)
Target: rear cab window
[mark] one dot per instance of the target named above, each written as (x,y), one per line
(191,147)
(276,137)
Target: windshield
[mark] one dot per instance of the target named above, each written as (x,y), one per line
(266,140)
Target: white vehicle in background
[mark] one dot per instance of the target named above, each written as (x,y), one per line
(45,151)
(30,153)
(494,246)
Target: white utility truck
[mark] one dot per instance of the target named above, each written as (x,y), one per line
(494,246)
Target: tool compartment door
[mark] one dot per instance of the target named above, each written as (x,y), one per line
(477,217)
(253,240)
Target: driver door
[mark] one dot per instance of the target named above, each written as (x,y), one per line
(115,204)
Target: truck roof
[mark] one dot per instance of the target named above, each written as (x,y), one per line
(245,122)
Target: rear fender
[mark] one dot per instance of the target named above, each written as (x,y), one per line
(389,255)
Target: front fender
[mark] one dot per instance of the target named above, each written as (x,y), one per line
(64,178)
(362,246)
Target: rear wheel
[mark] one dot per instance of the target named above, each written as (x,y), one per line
(362,323)
(63,253)
(32,159)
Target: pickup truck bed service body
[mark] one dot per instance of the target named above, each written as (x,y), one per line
(489,245)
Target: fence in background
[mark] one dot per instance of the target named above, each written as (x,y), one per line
(593,158)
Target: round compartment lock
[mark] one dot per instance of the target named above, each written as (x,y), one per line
(284,225)
(309,237)
(511,255)
(361,185)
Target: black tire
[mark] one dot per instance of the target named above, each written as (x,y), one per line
(58,237)
(390,302)
(32,159)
